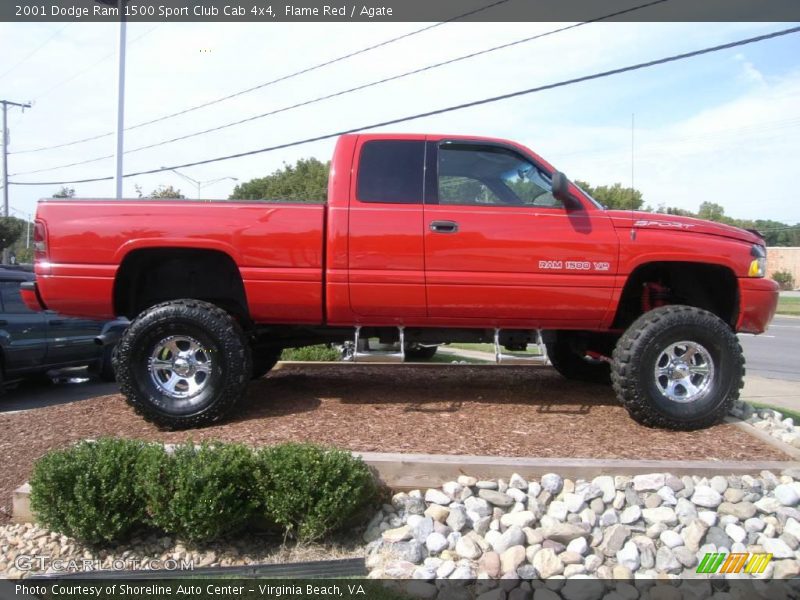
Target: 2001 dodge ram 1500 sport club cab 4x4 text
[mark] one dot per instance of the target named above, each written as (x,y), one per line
(424,239)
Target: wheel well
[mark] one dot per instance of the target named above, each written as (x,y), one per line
(149,276)
(711,287)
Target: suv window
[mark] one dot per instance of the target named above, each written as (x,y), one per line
(11,298)
(473,174)
(391,171)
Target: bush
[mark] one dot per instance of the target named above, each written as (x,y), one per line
(200,494)
(321,353)
(784,279)
(310,490)
(88,491)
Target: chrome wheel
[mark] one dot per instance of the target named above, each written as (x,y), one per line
(180,367)
(684,372)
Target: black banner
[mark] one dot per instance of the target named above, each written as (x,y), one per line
(269,11)
(200,588)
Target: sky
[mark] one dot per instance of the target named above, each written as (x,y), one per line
(721,127)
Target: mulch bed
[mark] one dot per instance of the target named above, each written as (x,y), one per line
(506,411)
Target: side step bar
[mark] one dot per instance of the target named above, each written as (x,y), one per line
(360,352)
(503,356)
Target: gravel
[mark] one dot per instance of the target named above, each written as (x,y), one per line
(531,539)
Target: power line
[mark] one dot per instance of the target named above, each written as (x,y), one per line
(29,56)
(564,83)
(271,82)
(86,70)
(347,91)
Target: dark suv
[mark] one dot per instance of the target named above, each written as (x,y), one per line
(35,342)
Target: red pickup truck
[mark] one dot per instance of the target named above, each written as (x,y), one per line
(424,239)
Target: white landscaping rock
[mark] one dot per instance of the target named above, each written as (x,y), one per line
(706,497)
(649,483)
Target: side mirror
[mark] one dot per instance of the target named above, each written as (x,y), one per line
(561,189)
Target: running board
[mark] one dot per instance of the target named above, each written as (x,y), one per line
(503,356)
(359,355)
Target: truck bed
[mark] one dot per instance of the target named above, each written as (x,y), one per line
(278,247)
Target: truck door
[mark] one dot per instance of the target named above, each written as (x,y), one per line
(499,246)
(386,258)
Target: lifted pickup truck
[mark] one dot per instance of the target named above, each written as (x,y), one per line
(424,239)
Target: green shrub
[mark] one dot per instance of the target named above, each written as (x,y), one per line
(200,493)
(320,353)
(310,490)
(784,279)
(88,491)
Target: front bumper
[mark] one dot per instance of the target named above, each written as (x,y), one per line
(758,300)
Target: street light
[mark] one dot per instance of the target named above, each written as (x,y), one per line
(120,4)
(201,184)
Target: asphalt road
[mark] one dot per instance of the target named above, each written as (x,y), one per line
(776,353)
(68,385)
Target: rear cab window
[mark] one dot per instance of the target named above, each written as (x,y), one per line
(391,171)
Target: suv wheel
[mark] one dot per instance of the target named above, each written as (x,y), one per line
(678,367)
(183,363)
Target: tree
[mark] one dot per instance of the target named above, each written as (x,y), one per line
(306,181)
(614,196)
(163,191)
(10,230)
(65,192)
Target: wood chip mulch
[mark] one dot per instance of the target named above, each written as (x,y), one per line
(506,411)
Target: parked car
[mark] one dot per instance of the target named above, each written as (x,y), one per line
(33,343)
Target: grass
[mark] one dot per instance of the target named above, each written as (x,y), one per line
(788,306)
(321,352)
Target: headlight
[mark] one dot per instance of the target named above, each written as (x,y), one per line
(758,266)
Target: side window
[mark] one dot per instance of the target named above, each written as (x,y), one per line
(391,171)
(12,300)
(456,189)
(472,174)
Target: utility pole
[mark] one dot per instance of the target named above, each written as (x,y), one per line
(6,104)
(120,99)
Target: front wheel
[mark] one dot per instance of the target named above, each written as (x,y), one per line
(264,360)
(678,367)
(183,363)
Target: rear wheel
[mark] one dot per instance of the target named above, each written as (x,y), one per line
(419,352)
(183,363)
(569,358)
(678,367)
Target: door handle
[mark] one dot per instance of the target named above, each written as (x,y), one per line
(3,322)
(444,226)
(56,321)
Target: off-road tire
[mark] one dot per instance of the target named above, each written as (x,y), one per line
(564,358)
(416,352)
(216,329)
(633,369)
(263,361)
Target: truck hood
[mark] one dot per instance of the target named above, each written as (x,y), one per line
(625,219)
